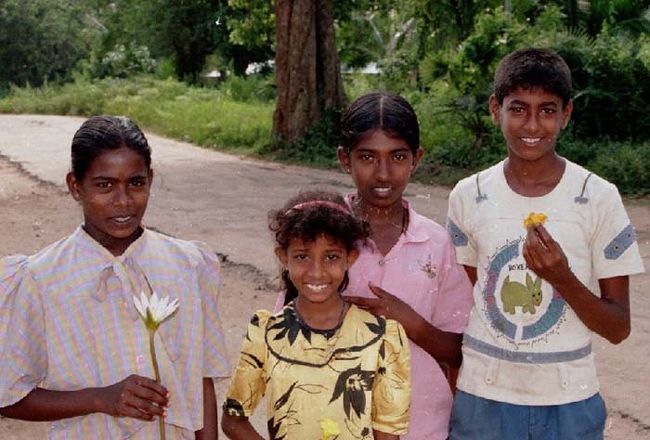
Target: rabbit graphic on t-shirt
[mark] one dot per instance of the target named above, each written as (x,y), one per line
(515,294)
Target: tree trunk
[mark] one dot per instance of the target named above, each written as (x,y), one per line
(307,67)
(328,64)
(571,10)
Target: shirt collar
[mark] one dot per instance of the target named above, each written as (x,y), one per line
(134,250)
(125,267)
(416,231)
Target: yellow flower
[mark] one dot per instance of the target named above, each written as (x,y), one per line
(534,219)
(330,429)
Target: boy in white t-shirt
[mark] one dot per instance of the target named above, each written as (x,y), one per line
(540,288)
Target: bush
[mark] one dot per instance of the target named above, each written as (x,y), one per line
(252,88)
(625,164)
(611,88)
(125,61)
(317,147)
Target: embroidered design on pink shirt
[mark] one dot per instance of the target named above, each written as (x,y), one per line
(429,268)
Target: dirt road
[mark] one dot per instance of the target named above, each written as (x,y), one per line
(223,200)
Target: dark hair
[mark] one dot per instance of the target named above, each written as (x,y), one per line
(101,133)
(380,110)
(533,69)
(309,215)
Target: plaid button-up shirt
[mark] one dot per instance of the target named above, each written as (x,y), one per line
(67,322)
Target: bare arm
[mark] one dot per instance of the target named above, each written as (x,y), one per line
(443,346)
(44,405)
(471,273)
(238,428)
(136,396)
(210,422)
(607,314)
(378,435)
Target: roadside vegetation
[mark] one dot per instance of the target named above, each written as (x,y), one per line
(205,116)
(445,73)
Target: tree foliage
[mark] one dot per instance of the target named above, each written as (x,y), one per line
(40,40)
(441,54)
(611,93)
(184,31)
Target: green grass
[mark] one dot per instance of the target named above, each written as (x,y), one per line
(206,117)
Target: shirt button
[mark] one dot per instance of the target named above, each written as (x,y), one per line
(382,262)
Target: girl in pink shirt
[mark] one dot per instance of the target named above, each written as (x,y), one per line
(408,270)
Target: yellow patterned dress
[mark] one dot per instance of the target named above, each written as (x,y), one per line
(356,375)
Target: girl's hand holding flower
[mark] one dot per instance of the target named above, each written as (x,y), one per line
(136,396)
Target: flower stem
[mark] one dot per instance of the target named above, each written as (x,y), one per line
(154,361)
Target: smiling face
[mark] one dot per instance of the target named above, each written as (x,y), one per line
(531,121)
(113,194)
(381,168)
(317,268)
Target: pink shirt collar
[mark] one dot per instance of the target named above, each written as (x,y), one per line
(416,231)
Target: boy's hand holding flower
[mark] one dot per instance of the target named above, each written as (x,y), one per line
(545,257)
(534,219)
(543,254)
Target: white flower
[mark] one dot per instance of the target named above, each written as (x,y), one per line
(154,310)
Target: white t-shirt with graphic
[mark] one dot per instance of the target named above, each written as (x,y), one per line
(524,344)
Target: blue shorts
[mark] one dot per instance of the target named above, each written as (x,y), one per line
(476,418)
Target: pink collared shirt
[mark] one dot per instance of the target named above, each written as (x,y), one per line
(421,270)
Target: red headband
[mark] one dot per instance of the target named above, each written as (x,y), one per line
(327,203)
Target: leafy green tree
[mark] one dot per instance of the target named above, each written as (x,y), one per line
(251,27)
(631,16)
(611,90)
(193,30)
(251,24)
(628,16)
(40,40)
(186,31)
